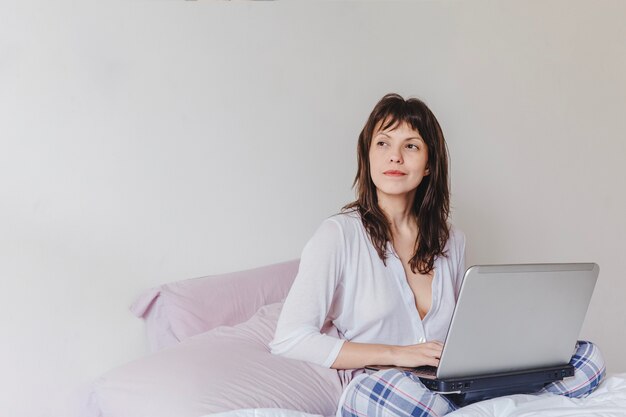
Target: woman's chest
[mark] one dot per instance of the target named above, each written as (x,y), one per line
(421,285)
(376,292)
(375,299)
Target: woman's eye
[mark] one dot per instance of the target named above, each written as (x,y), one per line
(412,146)
(380,143)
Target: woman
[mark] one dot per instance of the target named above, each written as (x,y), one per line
(377,284)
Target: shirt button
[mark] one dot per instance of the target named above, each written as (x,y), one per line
(422,340)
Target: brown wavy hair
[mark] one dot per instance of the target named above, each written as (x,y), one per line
(431,205)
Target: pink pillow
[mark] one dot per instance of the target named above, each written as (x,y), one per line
(176,311)
(225,369)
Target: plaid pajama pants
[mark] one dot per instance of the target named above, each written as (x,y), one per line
(396,393)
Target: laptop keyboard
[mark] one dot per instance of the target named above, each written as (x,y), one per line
(426,370)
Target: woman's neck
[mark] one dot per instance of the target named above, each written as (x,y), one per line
(399,212)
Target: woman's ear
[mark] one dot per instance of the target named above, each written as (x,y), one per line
(426,171)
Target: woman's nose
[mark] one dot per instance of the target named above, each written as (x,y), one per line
(395,157)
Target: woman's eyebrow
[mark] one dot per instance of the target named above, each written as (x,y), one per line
(405,139)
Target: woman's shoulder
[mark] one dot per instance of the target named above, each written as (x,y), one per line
(456,238)
(456,233)
(346,224)
(349,221)
(349,218)
(334,236)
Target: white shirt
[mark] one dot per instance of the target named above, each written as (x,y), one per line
(343,282)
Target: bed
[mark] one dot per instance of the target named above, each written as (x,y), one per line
(208,356)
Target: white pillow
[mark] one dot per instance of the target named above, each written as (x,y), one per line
(227,368)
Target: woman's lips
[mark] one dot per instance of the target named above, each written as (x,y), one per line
(393,173)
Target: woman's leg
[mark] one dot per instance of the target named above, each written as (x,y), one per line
(393,393)
(590,370)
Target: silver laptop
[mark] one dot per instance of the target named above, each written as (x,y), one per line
(514,329)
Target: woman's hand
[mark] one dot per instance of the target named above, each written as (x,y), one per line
(417,355)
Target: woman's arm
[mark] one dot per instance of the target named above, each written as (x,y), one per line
(298,331)
(358,355)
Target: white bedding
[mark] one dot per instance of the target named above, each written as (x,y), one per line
(609,400)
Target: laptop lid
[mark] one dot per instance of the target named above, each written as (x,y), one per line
(516,317)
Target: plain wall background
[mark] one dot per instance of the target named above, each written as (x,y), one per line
(150,141)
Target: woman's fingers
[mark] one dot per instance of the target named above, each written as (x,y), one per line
(427,353)
(431,354)
(432,348)
(432,362)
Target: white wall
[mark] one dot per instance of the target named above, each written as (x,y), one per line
(144,142)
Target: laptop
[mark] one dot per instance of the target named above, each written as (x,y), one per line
(514,329)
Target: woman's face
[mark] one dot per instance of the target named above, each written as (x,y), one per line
(398,159)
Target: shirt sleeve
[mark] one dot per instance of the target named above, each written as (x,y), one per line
(298,331)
